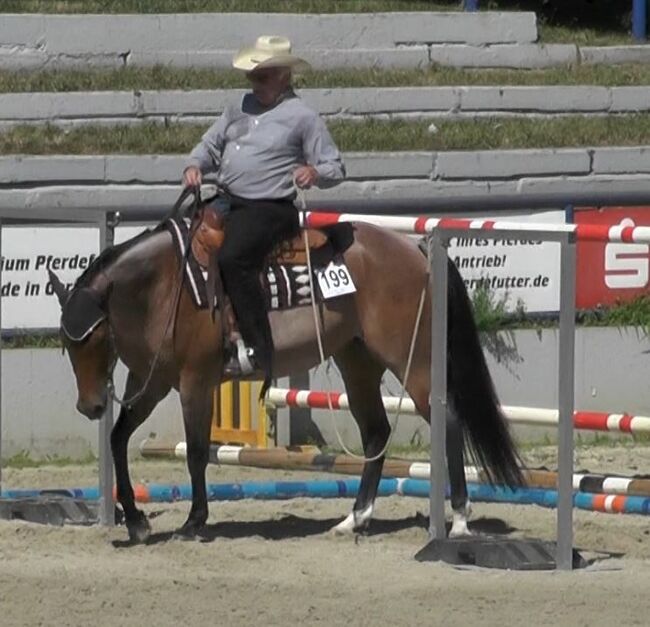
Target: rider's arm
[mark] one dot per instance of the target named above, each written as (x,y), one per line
(321,152)
(206,155)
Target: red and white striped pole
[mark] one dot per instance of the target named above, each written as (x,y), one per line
(534,416)
(423,225)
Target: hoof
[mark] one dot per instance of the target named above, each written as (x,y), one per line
(356,522)
(182,536)
(188,533)
(139,530)
(459,528)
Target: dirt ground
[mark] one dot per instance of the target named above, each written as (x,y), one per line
(275,562)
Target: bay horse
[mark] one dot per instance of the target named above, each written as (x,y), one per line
(121,307)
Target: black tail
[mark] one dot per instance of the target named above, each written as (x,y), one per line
(472,394)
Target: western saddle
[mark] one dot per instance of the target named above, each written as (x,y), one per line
(208,229)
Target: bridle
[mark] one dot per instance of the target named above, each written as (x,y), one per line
(127,403)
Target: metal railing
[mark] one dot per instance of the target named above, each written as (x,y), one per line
(440,233)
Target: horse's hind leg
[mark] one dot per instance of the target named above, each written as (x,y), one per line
(127,422)
(460,504)
(362,376)
(418,387)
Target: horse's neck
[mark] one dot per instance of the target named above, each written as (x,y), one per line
(139,279)
(139,267)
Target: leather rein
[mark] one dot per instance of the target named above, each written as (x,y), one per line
(127,403)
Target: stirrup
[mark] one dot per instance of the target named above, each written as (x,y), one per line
(241,362)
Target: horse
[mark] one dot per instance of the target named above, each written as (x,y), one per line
(130,304)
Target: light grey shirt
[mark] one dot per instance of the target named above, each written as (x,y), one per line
(255,150)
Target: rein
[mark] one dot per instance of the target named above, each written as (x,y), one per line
(328,360)
(127,403)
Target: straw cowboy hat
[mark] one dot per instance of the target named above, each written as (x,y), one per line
(268,51)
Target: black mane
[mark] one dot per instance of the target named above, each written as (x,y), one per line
(107,257)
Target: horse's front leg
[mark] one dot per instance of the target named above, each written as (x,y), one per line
(196,399)
(127,422)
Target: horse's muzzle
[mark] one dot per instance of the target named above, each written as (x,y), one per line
(93,409)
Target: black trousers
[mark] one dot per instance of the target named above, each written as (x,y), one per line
(253,228)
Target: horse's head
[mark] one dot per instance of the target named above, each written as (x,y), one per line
(86,336)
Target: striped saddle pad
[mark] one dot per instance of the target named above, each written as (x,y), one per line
(284,285)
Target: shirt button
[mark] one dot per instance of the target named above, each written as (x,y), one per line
(256,122)
(237,146)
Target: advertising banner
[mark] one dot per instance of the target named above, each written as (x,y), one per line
(525,272)
(611,272)
(28,301)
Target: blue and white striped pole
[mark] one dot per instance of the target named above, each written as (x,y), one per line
(348,488)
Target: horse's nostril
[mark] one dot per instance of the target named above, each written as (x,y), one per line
(98,410)
(94,412)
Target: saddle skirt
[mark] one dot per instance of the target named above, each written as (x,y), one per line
(284,279)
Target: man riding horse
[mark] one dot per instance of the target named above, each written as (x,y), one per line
(129,304)
(261,150)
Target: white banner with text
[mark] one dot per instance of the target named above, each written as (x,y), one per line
(525,271)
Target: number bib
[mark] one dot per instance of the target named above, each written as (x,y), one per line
(335,280)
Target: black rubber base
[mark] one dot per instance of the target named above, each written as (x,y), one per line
(50,510)
(491,552)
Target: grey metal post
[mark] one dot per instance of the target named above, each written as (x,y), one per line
(0,361)
(566,398)
(106,502)
(301,428)
(438,399)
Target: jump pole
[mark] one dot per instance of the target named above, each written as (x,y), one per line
(311,459)
(348,488)
(454,227)
(535,416)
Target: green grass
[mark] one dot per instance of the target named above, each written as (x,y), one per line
(367,135)
(581,22)
(222,6)
(158,78)
(556,34)
(489,311)
(25,460)
(30,340)
(635,313)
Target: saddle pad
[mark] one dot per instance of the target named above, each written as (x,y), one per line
(284,285)
(195,276)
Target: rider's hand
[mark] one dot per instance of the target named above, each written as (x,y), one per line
(191,177)
(305,176)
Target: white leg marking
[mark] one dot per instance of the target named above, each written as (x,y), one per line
(354,521)
(459,526)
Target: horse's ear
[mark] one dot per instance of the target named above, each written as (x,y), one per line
(58,287)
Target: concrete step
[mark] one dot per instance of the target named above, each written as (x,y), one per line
(202,106)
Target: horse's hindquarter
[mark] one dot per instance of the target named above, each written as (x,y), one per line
(388,271)
(392,273)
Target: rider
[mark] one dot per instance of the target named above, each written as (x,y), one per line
(262,148)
